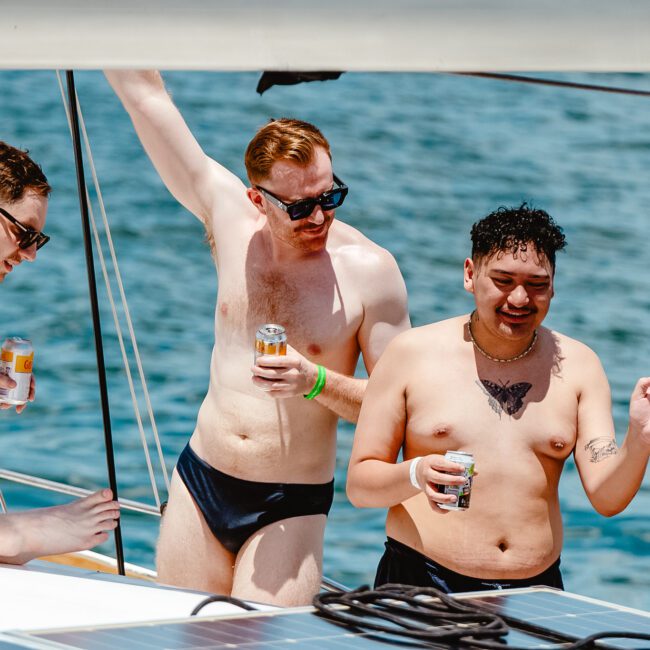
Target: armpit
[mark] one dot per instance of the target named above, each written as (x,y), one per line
(601,448)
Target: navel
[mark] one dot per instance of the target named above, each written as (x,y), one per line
(503,547)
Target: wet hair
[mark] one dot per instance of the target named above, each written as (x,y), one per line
(284,139)
(18,174)
(513,230)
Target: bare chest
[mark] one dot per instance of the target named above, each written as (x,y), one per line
(528,414)
(315,304)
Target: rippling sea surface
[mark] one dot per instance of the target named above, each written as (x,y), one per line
(425,156)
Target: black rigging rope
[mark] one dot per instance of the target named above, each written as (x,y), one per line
(94,305)
(435,618)
(555,82)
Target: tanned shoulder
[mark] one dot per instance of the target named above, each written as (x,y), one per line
(357,249)
(578,363)
(430,337)
(572,350)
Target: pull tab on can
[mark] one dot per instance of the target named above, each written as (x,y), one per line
(270,339)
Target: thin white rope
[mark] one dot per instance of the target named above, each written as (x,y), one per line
(64,488)
(125,304)
(126,311)
(3,503)
(118,328)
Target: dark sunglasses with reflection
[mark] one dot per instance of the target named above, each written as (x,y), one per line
(27,236)
(302,209)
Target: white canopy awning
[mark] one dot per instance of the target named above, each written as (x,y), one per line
(380,35)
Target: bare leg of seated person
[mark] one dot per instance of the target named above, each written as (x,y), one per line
(188,554)
(75,526)
(282,563)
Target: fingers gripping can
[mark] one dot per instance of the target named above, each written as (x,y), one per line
(16,360)
(462,492)
(270,339)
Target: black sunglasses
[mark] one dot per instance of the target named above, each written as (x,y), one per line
(302,209)
(28,236)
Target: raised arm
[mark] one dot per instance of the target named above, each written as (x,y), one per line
(196,181)
(611,476)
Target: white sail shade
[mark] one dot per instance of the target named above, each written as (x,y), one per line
(373,35)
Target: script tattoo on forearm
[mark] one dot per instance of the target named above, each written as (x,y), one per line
(601,448)
(505,397)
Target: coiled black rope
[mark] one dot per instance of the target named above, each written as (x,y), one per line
(223,599)
(433,617)
(400,610)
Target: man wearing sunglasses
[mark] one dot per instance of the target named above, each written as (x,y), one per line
(84,523)
(251,491)
(23,206)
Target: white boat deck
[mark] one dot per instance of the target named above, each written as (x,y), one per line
(536,617)
(41,596)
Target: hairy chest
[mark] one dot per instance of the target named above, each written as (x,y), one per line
(319,309)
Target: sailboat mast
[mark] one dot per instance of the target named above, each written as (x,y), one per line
(92,288)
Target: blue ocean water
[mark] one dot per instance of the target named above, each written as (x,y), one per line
(425,156)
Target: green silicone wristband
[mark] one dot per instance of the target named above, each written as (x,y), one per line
(318,386)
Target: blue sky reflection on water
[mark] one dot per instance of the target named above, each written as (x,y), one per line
(424,156)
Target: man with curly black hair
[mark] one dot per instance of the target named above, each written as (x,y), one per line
(518,396)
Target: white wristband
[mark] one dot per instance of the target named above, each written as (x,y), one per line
(412,472)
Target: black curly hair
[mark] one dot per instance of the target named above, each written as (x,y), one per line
(509,230)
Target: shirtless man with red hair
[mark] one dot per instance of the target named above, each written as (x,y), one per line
(252,489)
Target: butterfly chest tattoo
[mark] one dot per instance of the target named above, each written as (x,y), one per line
(505,396)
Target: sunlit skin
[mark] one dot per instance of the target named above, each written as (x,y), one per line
(337,294)
(513,295)
(31,211)
(429,394)
(290,183)
(83,523)
(75,526)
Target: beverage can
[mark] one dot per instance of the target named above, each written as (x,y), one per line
(462,492)
(270,339)
(16,360)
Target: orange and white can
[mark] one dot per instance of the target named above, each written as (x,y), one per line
(270,339)
(16,361)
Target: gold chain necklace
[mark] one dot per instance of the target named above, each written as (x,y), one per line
(521,355)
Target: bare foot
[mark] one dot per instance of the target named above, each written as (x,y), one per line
(75,526)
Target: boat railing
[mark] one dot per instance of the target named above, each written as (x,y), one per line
(54,486)
(327,584)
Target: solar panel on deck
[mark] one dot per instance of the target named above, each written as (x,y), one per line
(568,614)
(556,611)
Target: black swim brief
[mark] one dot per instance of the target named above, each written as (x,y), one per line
(235,509)
(400,564)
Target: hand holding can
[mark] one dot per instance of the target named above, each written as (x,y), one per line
(280,370)
(464,491)
(16,361)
